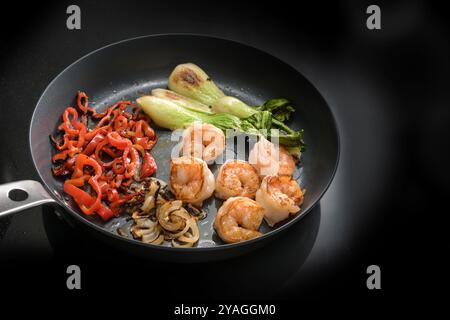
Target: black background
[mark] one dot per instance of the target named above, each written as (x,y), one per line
(386,88)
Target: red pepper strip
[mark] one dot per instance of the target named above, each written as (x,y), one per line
(142,141)
(91,134)
(84,160)
(91,208)
(127,183)
(69,164)
(145,136)
(59,156)
(72,127)
(64,145)
(110,152)
(117,141)
(104,186)
(151,144)
(67,129)
(117,166)
(148,131)
(74,122)
(139,148)
(134,161)
(90,148)
(83,198)
(103,120)
(78,195)
(138,129)
(81,136)
(65,168)
(105,213)
(120,123)
(121,201)
(83,106)
(84,120)
(107,117)
(78,182)
(104,113)
(60,171)
(113,195)
(149,166)
(97,155)
(146,143)
(71,152)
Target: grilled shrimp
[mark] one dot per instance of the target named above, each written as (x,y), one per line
(237,178)
(280,196)
(191,180)
(203,141)
(269,159)
(239,219)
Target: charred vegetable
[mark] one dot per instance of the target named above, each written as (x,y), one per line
(191,81)
(158,217)
(281,109)
(180,100)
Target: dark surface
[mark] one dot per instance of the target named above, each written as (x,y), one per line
(387,90)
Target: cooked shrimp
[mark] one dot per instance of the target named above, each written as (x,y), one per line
(238,219)
(280,196)
(269,159)
(191,180)
(237,178)
(203,141)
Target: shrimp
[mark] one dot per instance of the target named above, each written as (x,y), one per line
(203,141)
(270,160)
(190,180)
(280,196)
(237,178)
(239,219)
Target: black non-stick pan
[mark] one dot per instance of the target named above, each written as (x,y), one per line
(131,68)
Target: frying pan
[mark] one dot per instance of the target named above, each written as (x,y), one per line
(131,68)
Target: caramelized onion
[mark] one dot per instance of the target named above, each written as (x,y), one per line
(191,237)
(175,220)
(166,220)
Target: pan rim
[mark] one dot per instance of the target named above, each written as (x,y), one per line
(225,246)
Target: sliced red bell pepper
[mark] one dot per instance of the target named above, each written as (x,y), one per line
(149,166)
(116,140)
(90,148)
(83,198)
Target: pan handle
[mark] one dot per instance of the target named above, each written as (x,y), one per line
(20,195)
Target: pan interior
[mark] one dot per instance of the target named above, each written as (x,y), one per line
(130,69)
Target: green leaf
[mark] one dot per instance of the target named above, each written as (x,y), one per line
(281,108)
